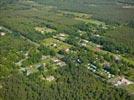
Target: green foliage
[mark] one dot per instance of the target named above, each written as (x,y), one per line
(24,49)
(106,10)
(46,51)
(11,47)
(73,83)
(131,23)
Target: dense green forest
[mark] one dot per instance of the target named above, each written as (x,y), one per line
(108,10)
(73,83)
(66,50)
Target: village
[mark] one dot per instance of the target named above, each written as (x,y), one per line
(101,63)
(58,43)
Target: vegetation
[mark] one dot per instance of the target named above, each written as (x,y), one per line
(66,50)
(69,85)
(109,10)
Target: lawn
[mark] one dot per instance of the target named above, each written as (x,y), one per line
(44,29)
(56,44)
(130,88)
(92,21)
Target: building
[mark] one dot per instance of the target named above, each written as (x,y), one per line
(50,78)
(122,81)
(2,33)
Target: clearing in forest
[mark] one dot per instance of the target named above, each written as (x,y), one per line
(56,44)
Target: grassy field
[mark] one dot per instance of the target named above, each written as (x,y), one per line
(44,30)
(130,89)
(56,44)
(123,35)
(91,21)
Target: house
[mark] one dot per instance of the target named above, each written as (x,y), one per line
(38,66)
(60,56)
(99,46)
(107,66)
(42,77)
(30,66)
(109,75)
(26,54)
(44,64)
(83,44)
(117,58)
(44,57)
(28,72)
(62,38)
(122,81)
(62,34)
(97,35)
(56,60)
(67,50)
(50,78)
(22,69)
(93,66)
(42,32)
(86,41)
(54,45)
(2,33)
(61,64)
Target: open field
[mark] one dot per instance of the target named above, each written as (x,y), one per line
(56,44)
(44,30)
(96,22)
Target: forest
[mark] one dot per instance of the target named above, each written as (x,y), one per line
(66,50)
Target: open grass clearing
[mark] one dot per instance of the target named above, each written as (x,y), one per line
(130,89)
(44,29)
(56,44)
(75,14)
(92,21)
